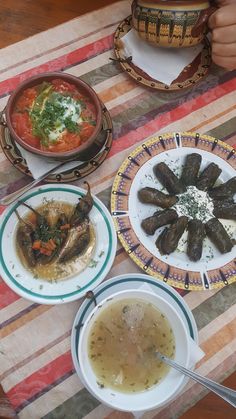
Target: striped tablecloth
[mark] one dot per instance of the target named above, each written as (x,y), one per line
(36,369)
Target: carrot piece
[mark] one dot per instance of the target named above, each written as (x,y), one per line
(36,245)
(51,244)
(65,227)
(45,252)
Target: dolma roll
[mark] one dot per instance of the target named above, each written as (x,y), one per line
(158,219)
(224,191)
(218,235)
(196,235)
(208,177)
(153,196)
(168,179)
(191,168)
(168,240)
(225,209)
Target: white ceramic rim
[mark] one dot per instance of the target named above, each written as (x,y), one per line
(93,389)
(15,284)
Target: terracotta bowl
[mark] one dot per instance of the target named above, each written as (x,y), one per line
(83,88)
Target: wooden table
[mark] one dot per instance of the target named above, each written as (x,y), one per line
(21,19)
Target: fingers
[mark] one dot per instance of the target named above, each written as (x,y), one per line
(225,50)
(224,35)
(225,16)
(229,63)
(223,2)
(223,25)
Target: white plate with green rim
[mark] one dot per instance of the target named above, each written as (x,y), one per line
(22,280)
(125,282)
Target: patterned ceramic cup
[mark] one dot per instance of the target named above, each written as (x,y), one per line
(171,23)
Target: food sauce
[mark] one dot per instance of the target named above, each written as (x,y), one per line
(122,344)
(54,116)
(55,271)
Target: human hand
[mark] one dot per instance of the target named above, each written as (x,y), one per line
(223,25)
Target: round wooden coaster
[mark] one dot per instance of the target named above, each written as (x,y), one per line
(192,74)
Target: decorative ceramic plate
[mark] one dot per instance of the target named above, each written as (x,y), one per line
(192,74)
(130,281)
(93,157)
(23,282)
(214,269)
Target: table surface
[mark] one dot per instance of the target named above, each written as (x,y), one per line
(215,116)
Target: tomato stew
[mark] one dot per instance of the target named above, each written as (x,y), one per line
(54,116)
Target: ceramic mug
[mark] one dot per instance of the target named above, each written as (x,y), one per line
(171,23)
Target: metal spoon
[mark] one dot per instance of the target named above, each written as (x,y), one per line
(12,197)
(17,194)
(97,148)
(225,393)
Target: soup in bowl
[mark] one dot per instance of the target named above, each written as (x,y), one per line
(54,115)
(117,351)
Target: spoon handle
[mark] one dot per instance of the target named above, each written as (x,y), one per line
(15,195)
(225,393)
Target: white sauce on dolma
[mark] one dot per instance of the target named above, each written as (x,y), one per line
(195,203)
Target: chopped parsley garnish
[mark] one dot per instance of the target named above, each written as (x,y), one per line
(52,113)
(93,263)
(195,204)
(70,125)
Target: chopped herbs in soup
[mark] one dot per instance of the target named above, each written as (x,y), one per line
(54,116)
(57,239)
(122,344)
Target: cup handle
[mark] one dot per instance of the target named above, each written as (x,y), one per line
(133,6)
(202,20)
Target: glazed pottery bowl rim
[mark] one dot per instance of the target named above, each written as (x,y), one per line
(138,401)
(173,2)
(37,79)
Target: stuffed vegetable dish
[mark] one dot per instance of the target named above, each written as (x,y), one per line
(192,202)
(57,239)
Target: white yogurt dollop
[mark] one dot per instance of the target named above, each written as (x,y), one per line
(195,204)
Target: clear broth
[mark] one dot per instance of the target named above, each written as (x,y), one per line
(122,344)
(54,271)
